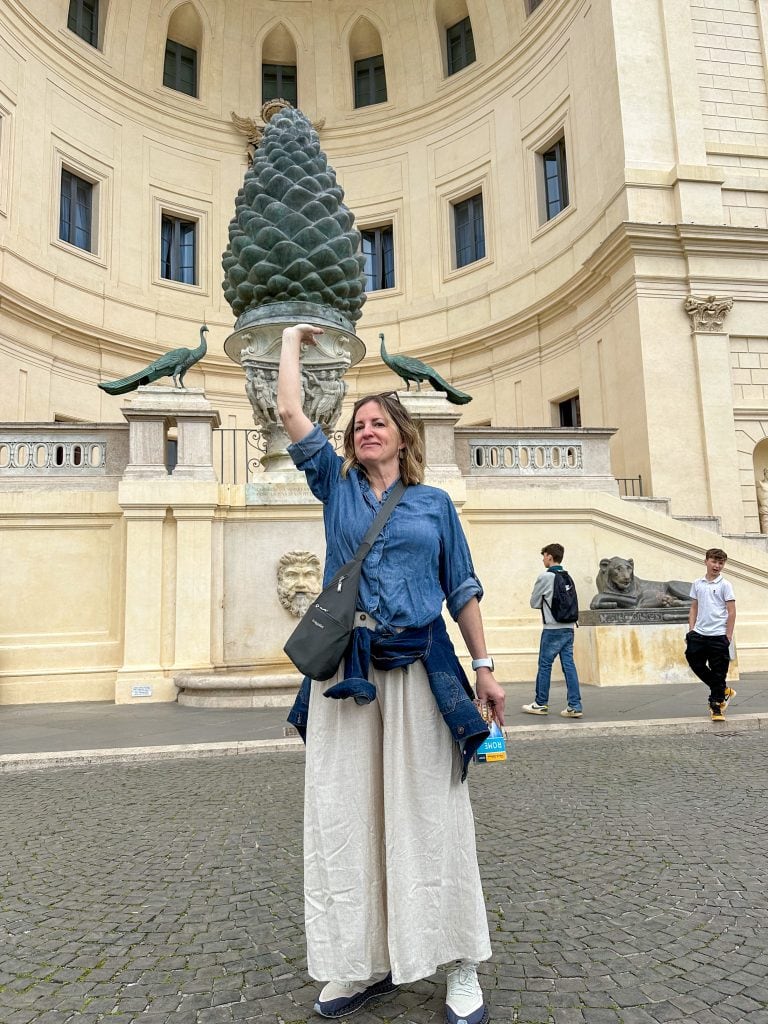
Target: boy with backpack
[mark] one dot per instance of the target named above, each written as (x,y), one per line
(555,594)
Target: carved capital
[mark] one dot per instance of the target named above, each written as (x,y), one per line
(708,314)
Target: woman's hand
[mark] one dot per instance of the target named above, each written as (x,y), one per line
(489,691)
(306,334)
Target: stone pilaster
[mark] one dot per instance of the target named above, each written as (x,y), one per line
(713,364)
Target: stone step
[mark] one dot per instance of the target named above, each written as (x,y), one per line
(660,505)
(711,523)
(757,540)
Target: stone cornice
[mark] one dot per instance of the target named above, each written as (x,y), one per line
(751,412)
(626,241)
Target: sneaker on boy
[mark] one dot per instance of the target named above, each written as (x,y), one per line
(342,998)
(571,713)
(464,998)
(717,712)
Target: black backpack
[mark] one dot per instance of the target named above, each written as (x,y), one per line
(565,601)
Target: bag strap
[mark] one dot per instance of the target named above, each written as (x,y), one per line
(377,525)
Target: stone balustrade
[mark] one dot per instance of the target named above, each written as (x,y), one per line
(74,454)
(537,457)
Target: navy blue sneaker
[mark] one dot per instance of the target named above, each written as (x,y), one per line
(464,998)
(341,998)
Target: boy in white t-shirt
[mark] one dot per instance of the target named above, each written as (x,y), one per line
(710,631)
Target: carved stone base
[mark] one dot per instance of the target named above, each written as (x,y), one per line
(633,654)
(236,690)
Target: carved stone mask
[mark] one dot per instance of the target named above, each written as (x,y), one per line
(299,581)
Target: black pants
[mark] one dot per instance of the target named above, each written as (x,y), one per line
(709,659)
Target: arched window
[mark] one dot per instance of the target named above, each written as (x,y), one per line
(457,40)
(182,50)
(279,67)
(367,55)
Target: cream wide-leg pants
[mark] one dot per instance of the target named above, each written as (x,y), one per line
(390,866)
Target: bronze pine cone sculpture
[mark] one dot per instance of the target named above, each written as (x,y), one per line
(292,238)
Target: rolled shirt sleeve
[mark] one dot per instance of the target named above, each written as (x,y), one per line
(457,573)
(314,456)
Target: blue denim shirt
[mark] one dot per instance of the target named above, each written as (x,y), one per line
(419,559)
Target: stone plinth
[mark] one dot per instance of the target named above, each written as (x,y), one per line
(236,690)
(151,411)
(631,654)
(438,418)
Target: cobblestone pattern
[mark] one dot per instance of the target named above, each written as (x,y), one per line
(625,881)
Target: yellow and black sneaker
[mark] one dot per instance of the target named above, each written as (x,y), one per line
(729,692)
(717,712)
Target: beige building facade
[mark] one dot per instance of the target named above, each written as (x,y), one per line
(575,198)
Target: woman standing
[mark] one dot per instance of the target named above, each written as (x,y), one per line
(391,882)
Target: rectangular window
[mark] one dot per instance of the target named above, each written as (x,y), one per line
(378,247)
(180,68)
(469,230)
(76,211)
(569,412)
(460,46)
(370,81)
(555,179)
(83,20)
(178,249)
(278,82)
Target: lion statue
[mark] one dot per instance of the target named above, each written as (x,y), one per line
(299,581)
(618,587)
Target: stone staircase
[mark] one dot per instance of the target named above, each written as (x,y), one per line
(710,523)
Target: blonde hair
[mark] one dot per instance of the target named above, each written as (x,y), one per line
(411,456)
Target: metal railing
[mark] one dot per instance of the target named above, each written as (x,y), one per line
(237,453)
(630,486)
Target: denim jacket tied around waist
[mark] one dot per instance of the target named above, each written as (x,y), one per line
(448,682)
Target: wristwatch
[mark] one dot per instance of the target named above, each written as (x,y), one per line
(482,663)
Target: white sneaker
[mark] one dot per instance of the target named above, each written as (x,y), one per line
(342,998)
(464,997)
(536,709)
(571,713)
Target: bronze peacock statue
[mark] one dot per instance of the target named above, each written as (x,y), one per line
(413,369)
(172,364)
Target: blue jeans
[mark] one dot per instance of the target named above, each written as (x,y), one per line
(556,642)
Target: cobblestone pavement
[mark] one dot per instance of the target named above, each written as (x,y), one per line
(625,882)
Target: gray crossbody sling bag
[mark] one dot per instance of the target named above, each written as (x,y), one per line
(318,643)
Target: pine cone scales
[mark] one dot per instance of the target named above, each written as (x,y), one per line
(292,238)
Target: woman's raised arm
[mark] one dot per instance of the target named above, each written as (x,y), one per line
(297,424)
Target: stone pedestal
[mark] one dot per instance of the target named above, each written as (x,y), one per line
(151,412)
(631,654)
(438,418)
(170,542)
